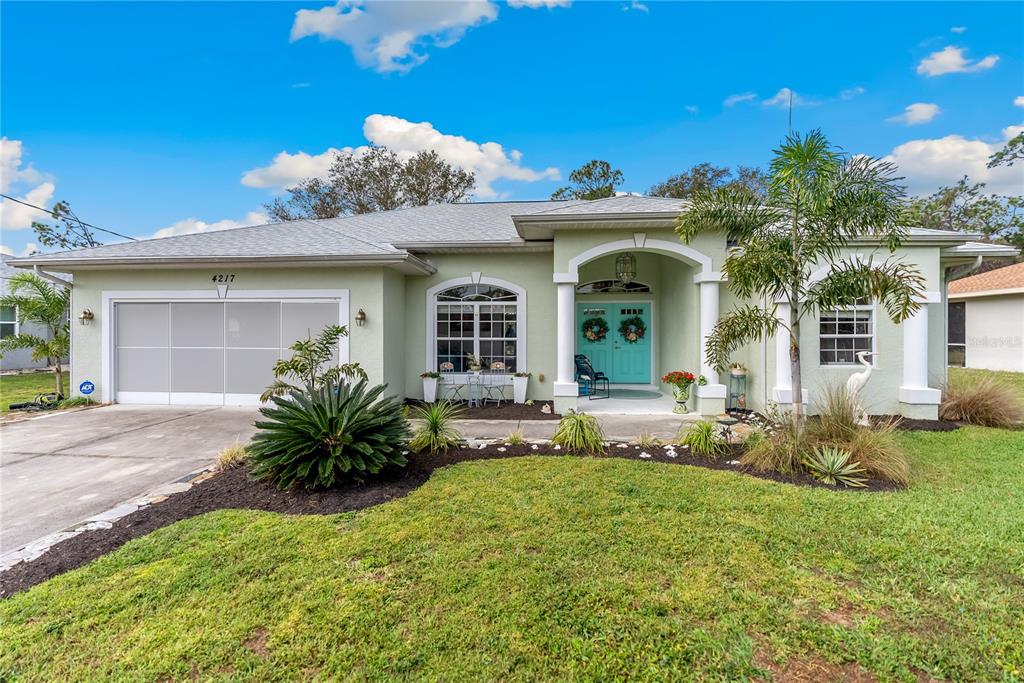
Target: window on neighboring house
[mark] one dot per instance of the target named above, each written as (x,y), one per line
(845,331)
(8,321)
(957,317)
(478,319)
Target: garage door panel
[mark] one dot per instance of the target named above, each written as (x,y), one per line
(142,325)
(194,325)
(302,320)
(197,370)
(249,371)
(142,370)
(253,324)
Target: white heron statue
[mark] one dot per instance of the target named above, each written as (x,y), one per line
(856,382)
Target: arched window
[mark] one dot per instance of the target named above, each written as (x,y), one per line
(613,285)
(485,320)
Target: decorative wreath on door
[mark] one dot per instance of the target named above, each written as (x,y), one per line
(633,329)
(595,329)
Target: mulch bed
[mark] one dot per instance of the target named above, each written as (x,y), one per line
(234,489)
(506,411)
(911,425)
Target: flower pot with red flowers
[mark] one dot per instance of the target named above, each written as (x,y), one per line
(681,381)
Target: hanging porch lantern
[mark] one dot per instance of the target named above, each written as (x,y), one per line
(625,267)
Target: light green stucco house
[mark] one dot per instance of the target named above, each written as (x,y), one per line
(200,318)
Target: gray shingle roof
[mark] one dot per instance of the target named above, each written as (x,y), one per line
(626,203)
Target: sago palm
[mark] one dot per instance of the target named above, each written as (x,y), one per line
(819,201)
(40,302)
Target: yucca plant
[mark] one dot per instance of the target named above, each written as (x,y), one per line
(435,431)
(579,433)
(319,437)
(832,466)
(701,438)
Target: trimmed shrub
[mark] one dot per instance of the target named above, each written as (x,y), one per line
(579,433)
(833,466)
(701,438)
(335,433)
(436,432)
(985,401)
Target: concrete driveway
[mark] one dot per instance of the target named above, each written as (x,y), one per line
(61,468)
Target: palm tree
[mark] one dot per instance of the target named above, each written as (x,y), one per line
(40,302)
(819,200)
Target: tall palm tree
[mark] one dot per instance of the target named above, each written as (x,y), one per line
(819,200)
(46,304)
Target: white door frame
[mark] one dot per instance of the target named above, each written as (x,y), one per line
(108,346)
(652,330)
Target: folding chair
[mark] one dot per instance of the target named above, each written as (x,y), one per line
(494,383)
(593,384)
(451,387)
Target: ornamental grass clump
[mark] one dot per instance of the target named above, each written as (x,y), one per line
(231,457)
(702,439)
(984,401)
(579,433)
(336,433)
(435,431)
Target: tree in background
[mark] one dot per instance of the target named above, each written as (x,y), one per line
(705,176)
(966,207)
(46,304)
(69,232)
(376,180)
(1011,152)
(593,180)
(818,200)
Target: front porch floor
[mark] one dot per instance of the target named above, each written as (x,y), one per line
(635,399)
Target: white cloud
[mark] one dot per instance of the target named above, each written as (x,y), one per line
(782,99)
(1018,101)
(733,100)
(692,108)
(950,60)
(15,216)
(850,93)
(287,169)
(11,171)
(489,161)
(299,86)
(919,112)
(30,248)
(958,29)
(929,164)
(637,6)
(193,225)
(395,36)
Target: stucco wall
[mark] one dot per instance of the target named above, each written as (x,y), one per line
(365,287)
(21,359)
(994,329)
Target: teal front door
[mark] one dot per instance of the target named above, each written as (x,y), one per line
(625,358)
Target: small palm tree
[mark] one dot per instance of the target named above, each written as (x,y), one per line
(38,301)
(819,200)
(310,364)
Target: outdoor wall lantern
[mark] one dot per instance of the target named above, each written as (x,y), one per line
(625,267)
(86,317)
(361,318)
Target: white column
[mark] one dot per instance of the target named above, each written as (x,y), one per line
(783,390)
(565,329)
(914,388)
(708,318)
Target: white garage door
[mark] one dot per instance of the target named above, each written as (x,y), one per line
(208,353)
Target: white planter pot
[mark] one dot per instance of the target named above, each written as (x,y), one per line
(429,389)
(519,388)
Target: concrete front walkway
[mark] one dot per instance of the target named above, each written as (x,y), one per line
(616,427)
(61,468)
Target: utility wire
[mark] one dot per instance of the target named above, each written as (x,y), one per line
(88,225)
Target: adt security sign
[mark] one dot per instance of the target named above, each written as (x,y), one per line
(87,387)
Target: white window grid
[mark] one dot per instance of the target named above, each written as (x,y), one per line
(9,326)
(845,331)
(469,327)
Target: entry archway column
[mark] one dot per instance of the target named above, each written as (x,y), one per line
(711,395)
(565,332)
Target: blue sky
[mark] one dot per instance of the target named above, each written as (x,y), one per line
(159,118)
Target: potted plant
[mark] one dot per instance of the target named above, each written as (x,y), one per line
(473,362)
(519,382)
(681,380)
(430,385)
(738,370)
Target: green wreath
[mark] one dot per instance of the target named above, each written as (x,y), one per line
(633,329)
(594,329)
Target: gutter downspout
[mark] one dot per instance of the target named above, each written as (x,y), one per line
(51,278)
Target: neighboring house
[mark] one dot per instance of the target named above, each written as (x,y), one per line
(20,359)
(201,318)
(986,320)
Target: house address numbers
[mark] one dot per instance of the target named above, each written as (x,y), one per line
(224,277)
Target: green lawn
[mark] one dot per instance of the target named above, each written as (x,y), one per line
(1014,379)
(566,568)
(24,387)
